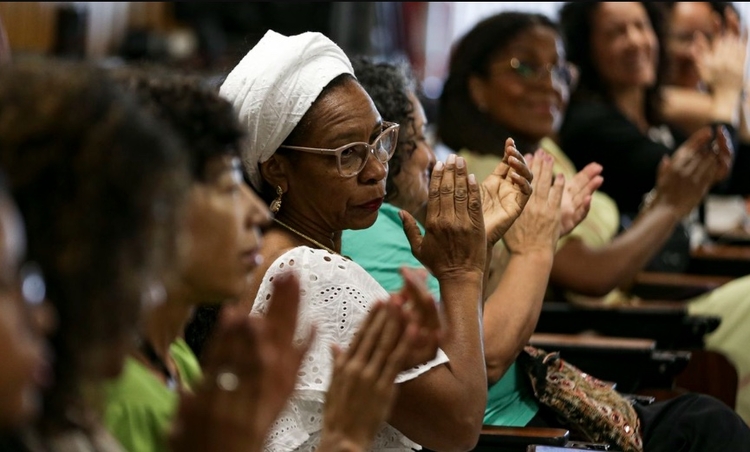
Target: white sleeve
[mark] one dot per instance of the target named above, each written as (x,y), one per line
(336,295)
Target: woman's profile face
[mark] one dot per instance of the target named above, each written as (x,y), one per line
(624,46)
(25,367)
(687,19)
(222,233)
(522,91)
(316,191)
(413,180)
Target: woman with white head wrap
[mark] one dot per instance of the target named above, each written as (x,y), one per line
(318,152)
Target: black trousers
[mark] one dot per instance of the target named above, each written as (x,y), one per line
(688,423)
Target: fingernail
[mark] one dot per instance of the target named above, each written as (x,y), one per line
(439,166)
(451,159)
(460,162)
(472,178)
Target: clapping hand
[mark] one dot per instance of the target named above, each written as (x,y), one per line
(576,199)
(721,64)
(539,226)
(684,178)
(455,238)
(505,193)
(423,312)
(250,371)
(364,377)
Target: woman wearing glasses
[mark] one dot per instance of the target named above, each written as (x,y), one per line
(616,133)
(318,152)
(526,100)
(532,236)
(615,115)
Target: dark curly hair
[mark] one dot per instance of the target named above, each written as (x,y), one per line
(204,122)
(576,23)
(98,184)
(460,124)
(389,85)
(207,127)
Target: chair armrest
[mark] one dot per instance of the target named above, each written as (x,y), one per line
(666,322)
(631,363)
(524,439)
(674,286)
(494,436)
(594,344)
(585,447)
(720,259)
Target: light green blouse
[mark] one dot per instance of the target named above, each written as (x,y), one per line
(139,408)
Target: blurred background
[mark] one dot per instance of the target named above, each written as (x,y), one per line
(211,37)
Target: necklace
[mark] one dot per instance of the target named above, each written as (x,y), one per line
(148,350)
(309,239)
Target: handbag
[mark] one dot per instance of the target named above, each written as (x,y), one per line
(585,405)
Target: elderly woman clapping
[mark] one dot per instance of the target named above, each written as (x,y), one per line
(318,151)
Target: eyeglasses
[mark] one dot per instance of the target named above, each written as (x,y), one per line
(687,38)
(351,158)
(561,73)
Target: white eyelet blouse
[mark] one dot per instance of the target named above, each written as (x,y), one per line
(336,295)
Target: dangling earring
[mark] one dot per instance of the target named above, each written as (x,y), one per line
(276,203)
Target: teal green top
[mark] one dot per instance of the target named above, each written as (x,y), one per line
(382,250)
(139,408)
(510,402)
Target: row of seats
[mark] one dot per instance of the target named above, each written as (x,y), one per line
(653,350)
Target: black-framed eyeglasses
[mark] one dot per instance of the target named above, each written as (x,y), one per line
(687,38)
(561,73)
(351,158)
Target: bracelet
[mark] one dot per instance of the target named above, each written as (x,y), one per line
(648,199)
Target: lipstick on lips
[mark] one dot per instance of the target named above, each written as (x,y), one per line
(373,205)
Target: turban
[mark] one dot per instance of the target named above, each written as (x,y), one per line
(273,87)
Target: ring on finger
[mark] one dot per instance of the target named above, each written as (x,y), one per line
(227,381)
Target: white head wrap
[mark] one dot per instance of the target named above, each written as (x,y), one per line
(273,87)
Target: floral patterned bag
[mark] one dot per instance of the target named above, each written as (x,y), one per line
(587,406)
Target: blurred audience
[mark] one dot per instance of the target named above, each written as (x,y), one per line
(615,115)
(383,249)
(594,260)
(705,81)
(72,147)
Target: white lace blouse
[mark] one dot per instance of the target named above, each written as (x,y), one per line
(336,295)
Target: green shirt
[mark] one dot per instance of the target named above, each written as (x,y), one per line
(139,408)
(382,249)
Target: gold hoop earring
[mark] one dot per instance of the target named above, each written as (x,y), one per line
(276,203)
